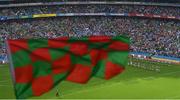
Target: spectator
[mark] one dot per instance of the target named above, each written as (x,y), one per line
(147,35)
(157,10)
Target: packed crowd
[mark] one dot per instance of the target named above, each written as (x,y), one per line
(163,1)
(170,11)
(147,35)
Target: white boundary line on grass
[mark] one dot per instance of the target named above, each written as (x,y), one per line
(4,81)
(2,65)
(102,86)
(162,74)
(6,85)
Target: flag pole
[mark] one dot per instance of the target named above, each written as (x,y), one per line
(11,67)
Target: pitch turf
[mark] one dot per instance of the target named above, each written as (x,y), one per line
(133,83)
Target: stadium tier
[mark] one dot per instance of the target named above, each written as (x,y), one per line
(24,1)
(58,9)
(147,35)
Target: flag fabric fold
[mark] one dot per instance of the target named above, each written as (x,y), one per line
(38,65)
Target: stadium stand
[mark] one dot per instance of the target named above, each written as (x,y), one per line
(25,11)
(147,35)
(163,1)
(157,36)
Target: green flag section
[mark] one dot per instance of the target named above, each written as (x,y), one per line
(38,65)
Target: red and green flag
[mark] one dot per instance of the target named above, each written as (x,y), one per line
(38,65)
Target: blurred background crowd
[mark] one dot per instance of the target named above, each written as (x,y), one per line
(147,35)
(163,1)
(157,36)
(156,10)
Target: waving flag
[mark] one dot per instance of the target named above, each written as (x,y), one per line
(37,65)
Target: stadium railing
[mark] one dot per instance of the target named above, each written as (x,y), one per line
(2,18)
(158,58)
(90,2)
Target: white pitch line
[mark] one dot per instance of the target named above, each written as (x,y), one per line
(95,87)
(5,75)
(170,73)
(163,74)
(6,85)
(99,87)
(3,66)
(4,81)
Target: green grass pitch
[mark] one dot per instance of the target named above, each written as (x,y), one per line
(133,83)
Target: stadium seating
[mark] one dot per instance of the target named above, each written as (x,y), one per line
(156,10)
(147,35)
